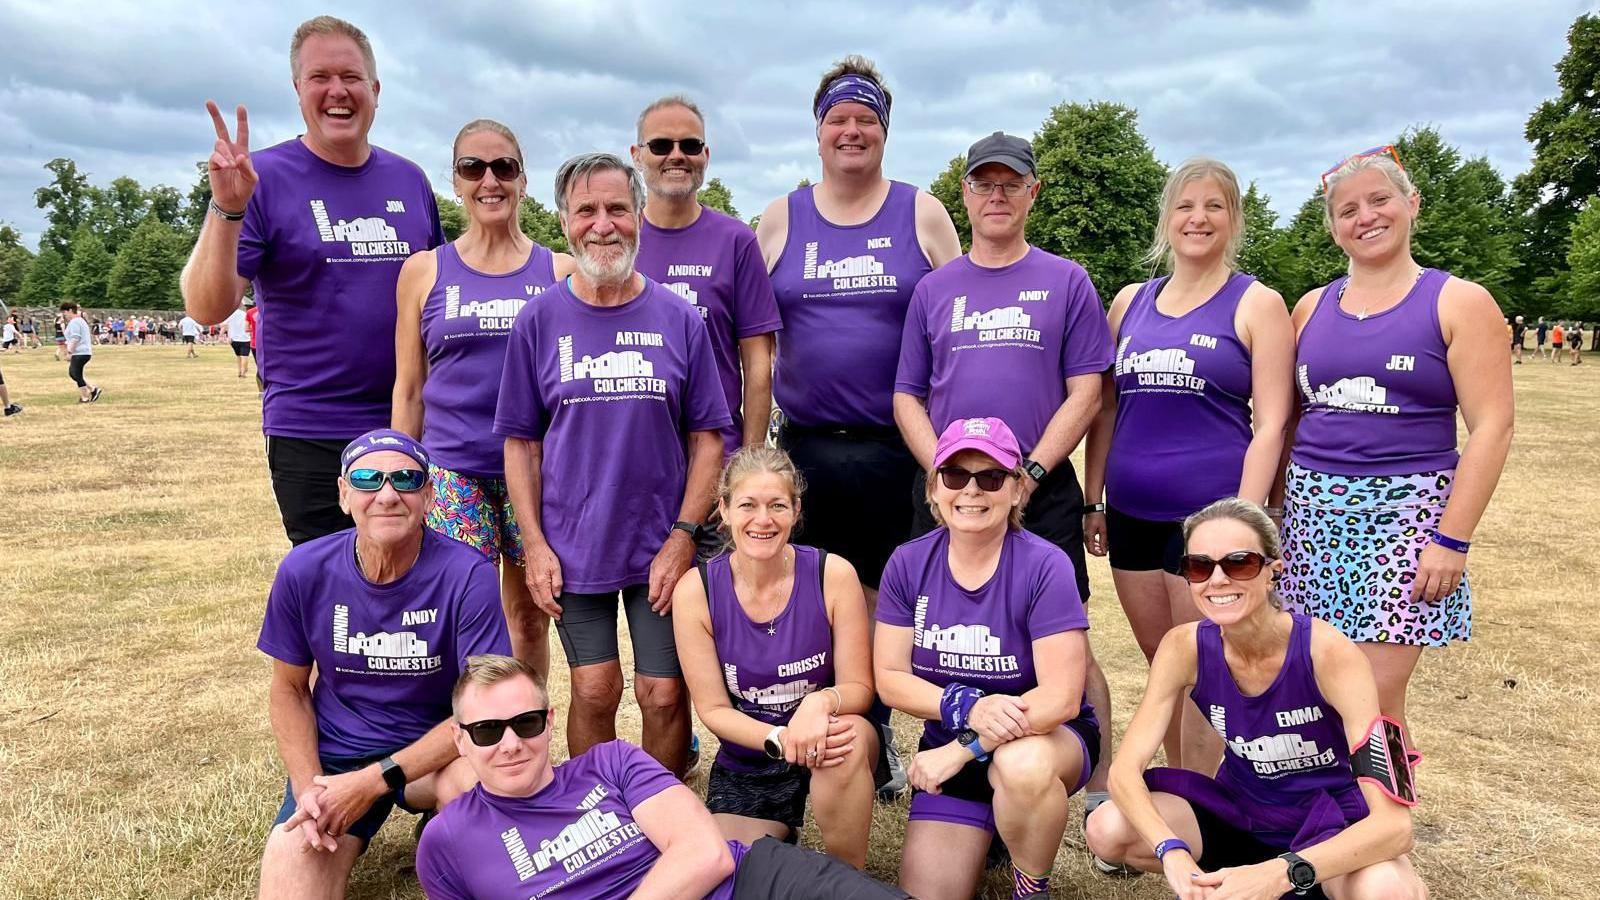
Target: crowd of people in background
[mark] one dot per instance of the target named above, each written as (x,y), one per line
(1557,341)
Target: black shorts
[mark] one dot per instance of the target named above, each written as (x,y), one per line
(1223,846)
(241,349)
(305,481)
(75,368)
(776,793)
(967,798)
(855,503)
(7,345)
(1054,512)
(1143,545)
(588,630)
(774,870)
(369,823)
(188,339)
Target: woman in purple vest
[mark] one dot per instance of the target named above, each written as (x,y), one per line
(1192,411)
(772,637)
(981,633)
(1379,507)
(456,307)
(1314,789)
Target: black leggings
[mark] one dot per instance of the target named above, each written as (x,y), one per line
(75,368)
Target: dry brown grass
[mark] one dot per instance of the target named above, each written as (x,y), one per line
(139,537)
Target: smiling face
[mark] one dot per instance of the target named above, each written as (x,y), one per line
(850,140)
(676,175)
(1371,216)
(602,226)
(1200,224)
(386,517)
(338,96)
(489,201)
(1222,599)
(973,510)
(997,217)
(760,514)
(513,767)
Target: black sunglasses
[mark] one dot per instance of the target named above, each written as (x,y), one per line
(663,146)
(487,732)
(1241,565)
(405,481)
(955,478)
(506,168)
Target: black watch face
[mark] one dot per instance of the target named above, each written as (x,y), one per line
(1302,875)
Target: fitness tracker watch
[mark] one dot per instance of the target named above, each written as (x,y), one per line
(1302,875)
(692,529)
(969,739)
(393,775)
(773,743)
(1034,470)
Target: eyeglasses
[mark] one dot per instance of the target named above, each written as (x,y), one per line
(989,480)
(1386,149)
(1241,565)
(506,168)
(405,481)
(487,732)
(663,146)
(1009,188)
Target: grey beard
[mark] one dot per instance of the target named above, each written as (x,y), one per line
(606,273)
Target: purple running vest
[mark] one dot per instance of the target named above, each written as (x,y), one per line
(1376,397)
(843,291)
(1183,405)
(769,667)
(1285,746)
(466,320)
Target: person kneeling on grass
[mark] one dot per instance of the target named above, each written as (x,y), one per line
(1312,798)
(610,822)
(388,613)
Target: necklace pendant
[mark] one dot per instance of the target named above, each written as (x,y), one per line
(1361,316)
(772,629)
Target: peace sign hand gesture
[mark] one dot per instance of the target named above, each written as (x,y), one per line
(233,177)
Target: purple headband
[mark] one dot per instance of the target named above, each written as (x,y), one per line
(854,89)
(382,439)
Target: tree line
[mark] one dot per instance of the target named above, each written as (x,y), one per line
(1533,242)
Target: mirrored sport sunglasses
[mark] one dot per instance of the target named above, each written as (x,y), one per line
(487,732)
(1385,150)
(663,146)
(506,168)
(1242,565)
(405,481)
(955,478)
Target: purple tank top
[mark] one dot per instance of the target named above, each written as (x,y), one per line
(1285,746)
(842,293)
(1183,405)
(466,319)
(769,667)
(1376,397)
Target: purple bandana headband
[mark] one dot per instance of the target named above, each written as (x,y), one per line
(854,89)
(382,439)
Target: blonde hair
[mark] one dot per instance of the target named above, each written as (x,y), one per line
(1250,515)
(1013,518)
(1382,162)
(757,459)
(490,669)
(1192,170)
(330,26)
(489,125)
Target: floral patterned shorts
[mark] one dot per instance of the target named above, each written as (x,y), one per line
(475,511)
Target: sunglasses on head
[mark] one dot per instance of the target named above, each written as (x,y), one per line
(1385,150)
(487,732)
(370,480)
(506,168)
(663,146)
(1241,565)
(955,478)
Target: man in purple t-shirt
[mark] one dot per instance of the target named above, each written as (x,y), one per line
(321,225)
(1013,332)
(611,411)
(709,259)
(387,614)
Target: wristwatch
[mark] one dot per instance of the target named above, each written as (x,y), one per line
(969,739)
(692,529)
(1034,470)
(773,743)
(1302,875)
(393,775)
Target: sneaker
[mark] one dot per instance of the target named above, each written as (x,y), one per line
(1091,800)
(94,394)
(897,770)
(694,753)
(13,409)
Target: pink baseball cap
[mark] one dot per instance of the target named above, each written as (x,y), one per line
(989,436)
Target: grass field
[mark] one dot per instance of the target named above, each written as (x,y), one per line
(138,537)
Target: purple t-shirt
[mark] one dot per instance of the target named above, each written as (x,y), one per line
(323,245)
(1002,342)
(716,265)
(612,393)
(387,655)
(981,638)
(466,320)
(574,838)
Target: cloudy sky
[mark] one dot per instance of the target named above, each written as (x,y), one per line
(1280,90)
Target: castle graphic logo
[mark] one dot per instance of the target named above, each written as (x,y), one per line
(1278,754)
(400,651)
(1359,394)
(499,314)
(682,289)
(595,834)
(1007,323)
(971,649)
(369,236)
(849,273)
(1158,367)
(613,372)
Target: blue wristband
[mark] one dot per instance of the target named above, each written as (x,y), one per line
(1448,542)
(1171,844)
(970,740)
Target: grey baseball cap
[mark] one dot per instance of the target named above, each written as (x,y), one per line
(1014,153)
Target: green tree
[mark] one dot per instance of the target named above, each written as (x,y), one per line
(1464,225)
(42,285)
(947,187)
(1308,256)
(117,209)
(1261,251)
(541,224)
(85,280)
(199,201)
(165,203)
(717,196)
(1102,184)
(145,273)
(14,262)
(452,216)
(1583,259)
(1565,134)
(66,199)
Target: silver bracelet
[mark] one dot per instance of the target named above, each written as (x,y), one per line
(224,214)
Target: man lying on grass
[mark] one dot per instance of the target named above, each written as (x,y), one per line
(388,613)
(611,822)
